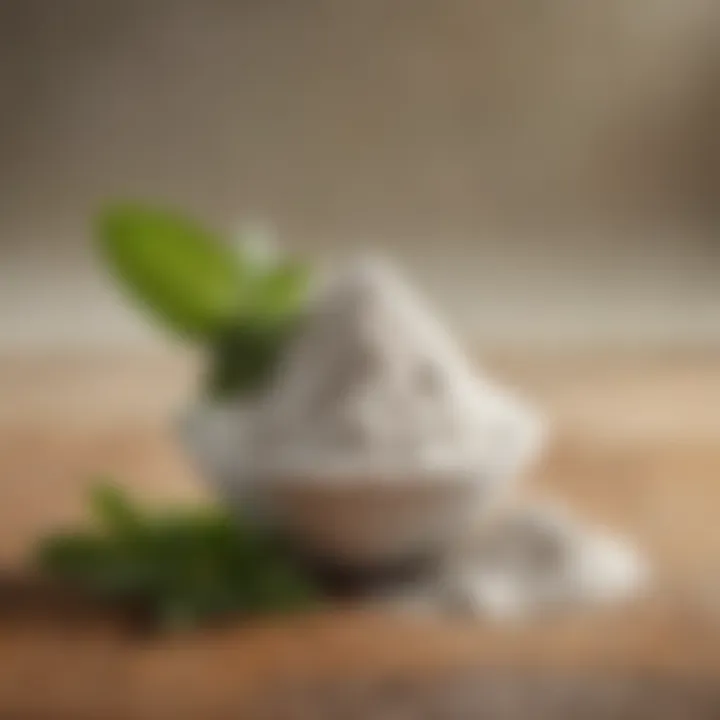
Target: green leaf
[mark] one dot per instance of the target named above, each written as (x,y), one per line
(244,359)
(282,291)
(178,270)
(112,508)
(72,555)
(183,566)
(240,302)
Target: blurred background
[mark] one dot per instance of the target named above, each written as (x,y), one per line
(549,170)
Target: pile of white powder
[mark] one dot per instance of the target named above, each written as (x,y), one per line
(374,385)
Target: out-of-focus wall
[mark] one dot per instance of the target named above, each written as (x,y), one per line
(547,168)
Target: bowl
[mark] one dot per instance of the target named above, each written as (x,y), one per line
(374,521)
(352,519)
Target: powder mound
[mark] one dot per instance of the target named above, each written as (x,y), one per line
(374,383)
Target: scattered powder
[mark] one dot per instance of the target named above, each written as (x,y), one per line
(538,558)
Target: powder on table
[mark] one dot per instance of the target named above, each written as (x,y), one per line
(538,558)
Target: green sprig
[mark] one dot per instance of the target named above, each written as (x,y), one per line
(238,303)
(183,567)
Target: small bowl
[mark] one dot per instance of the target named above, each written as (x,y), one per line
(355,520)
(373,521)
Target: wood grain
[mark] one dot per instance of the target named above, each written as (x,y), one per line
(637,446)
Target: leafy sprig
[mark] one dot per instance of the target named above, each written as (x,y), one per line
(238,303)
(183,567)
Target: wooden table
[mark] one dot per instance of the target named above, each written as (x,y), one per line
(637,446)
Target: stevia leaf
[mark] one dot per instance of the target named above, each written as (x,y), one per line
(244,359)
(282,291)
(182,566)
(70,554)
(179,271)
(112,508)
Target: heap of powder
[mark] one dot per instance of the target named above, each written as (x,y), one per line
(373,387)
(374,383)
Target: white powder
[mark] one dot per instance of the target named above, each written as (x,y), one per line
(374,383)
(538,558)
(373,388)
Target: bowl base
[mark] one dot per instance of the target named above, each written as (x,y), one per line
(351,582)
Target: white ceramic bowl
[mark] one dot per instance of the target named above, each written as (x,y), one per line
(356,520)
(373,521)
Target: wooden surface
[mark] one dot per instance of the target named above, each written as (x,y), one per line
(636,446)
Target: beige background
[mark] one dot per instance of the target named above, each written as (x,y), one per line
(547,169)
